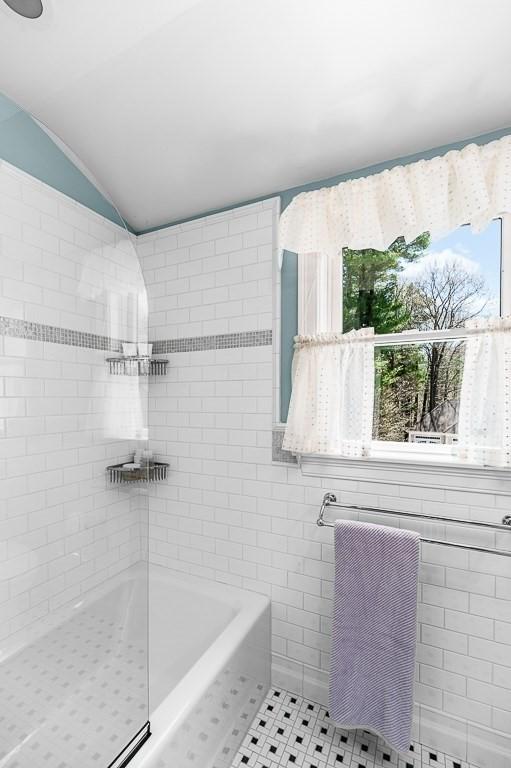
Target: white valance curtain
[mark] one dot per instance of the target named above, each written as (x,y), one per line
(467,186)
(484,424)
(331,409)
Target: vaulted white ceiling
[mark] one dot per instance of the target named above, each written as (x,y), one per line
(183,106)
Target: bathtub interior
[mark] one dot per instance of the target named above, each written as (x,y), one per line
(207,680)
(74,693)
(90,666)
(184,621)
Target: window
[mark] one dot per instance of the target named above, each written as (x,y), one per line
(417,297)
(424,285)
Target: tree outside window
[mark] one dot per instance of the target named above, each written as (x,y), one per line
(422,286)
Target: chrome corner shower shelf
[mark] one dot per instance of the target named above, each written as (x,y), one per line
(330,500)
(139,365)
(151,473)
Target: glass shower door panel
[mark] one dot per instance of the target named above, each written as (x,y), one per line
(73,576)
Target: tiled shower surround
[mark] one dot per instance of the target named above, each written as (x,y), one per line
(231,514)
(70,289)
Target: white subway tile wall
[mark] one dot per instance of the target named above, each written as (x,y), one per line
(63,530)
(228,513)
(64,265)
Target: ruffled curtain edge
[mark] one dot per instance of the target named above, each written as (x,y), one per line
(313,221)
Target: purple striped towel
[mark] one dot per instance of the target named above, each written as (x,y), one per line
(374,629)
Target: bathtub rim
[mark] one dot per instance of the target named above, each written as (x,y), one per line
(177,705)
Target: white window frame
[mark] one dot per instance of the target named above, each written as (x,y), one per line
(320,294)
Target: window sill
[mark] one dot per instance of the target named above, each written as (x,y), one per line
(392,468)
(435,468)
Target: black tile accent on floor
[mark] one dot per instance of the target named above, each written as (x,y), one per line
(292,731)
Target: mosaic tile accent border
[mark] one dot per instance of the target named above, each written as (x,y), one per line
(290,730)
(216,341)
(277,452)
(22,329)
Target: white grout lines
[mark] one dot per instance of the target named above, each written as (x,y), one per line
(292,731)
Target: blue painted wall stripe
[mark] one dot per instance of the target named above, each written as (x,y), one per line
(24,144)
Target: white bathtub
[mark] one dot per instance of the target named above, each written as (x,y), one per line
(209,669)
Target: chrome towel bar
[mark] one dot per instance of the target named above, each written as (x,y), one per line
(330,500)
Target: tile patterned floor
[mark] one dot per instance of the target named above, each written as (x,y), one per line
(292,731)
